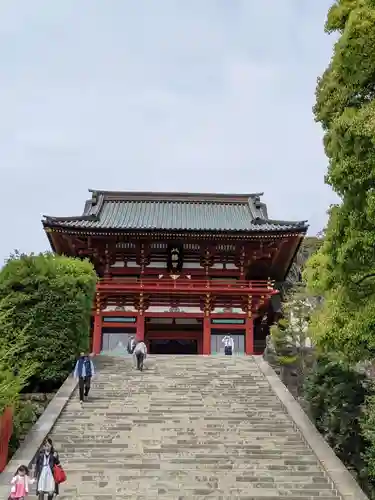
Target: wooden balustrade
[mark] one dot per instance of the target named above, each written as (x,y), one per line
(183,285)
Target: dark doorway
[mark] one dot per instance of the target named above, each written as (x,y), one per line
(166,346)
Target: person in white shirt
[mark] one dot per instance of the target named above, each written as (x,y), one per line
(228,345)
(140,353)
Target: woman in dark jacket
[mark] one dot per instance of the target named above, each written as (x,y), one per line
(45,462)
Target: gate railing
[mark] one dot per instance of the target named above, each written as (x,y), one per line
(265,287)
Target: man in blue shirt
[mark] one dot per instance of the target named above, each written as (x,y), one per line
(84,371)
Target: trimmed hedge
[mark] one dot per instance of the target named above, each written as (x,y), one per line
(47,300)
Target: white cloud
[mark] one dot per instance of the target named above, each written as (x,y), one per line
(201,96)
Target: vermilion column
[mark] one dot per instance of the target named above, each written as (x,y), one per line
(249,335)
(206,335)
(97,334)
(140,335)
(200,345)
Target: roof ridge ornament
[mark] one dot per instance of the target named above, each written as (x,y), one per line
(94,198)
(256,206)
(89,218)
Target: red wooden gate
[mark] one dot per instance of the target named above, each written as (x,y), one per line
(6,429)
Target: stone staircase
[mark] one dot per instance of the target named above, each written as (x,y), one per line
(188,427)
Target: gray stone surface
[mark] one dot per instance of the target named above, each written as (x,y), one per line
(188,427)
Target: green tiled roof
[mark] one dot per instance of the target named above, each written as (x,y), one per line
(174,211)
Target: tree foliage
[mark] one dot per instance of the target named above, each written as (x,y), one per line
(367,423)
(290,334)
(25,414)
(343,270)
(309,247)
(340,399)
(49,299)
(12,381)
(335,394)
(11,384)
(289,347)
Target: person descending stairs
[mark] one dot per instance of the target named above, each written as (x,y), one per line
(190,427)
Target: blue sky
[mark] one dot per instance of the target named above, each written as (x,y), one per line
(203,96)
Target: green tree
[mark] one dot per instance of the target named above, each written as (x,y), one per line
(12,380)
(11,384)
(343,270)
(309,246)
(290,342)
(50,299)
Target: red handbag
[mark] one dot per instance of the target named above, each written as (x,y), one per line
(59,474)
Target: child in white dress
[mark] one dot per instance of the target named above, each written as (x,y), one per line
(47,459)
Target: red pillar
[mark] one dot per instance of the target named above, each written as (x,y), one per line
(207,335)
(97,334)
(200,345)
(249,336)
(140,335)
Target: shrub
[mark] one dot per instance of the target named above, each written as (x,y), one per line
(49,299)
(13,379)
(26,413)
(368,431)
(335,395)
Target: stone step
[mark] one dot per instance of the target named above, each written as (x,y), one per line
(198,450)
(214,450)
(187,427)
(191,463)
(251,475)
(132,490)
(182,496)
(289,482)
(217,486)
(212,490)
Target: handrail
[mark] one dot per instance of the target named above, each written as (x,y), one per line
(265,286)
(184,280)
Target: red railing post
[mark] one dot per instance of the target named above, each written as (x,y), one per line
(97,334)
(140,335)
(6,430)
(206,335)
(249,335)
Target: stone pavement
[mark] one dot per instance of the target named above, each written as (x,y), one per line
(188,427)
